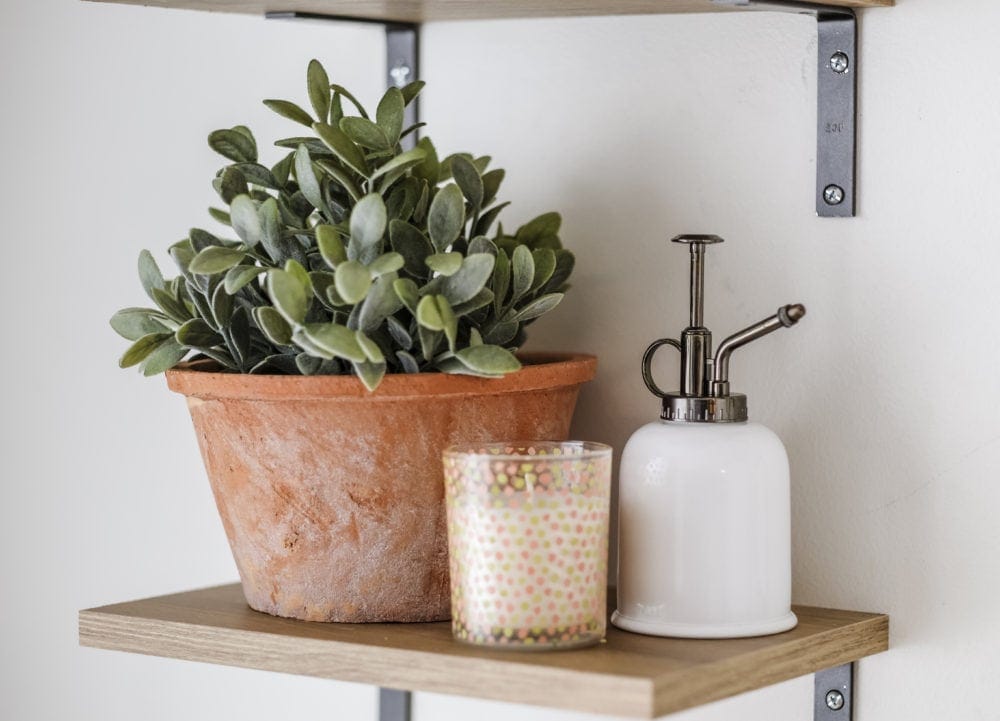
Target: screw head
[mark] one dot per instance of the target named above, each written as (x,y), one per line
(833,195)
(834,700)
(839,62)
(400,74)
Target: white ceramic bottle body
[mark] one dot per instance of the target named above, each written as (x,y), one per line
(704,531)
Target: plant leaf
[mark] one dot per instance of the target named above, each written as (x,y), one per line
(409,159)
(308,183)
(222,307)
(352,281)
(215,259)
(343,147)
(410,243)
(141,349)
(196,333)
(365,133)
(411,90)
(444,263)
(291,111)
(289,295)
(234,145)
(446,216)
(385,263)
(319,88)
(134,323)
(335,340)
(469,180)
(342,176)
(273,325)
(246,221)
(539,306)
(371,349)
(239,276)
(149,273)
(488,359)
(545,266)
(408,362)
(469,279)
(407,292)
(523,272)
(389,114)
(371,374)
(368,222)
(354,101)
(491,185)
(331,247)
(398,332)
(380,303)
(166,354)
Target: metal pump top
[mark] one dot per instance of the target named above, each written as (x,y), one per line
(704,396)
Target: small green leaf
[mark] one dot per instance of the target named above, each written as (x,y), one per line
(215,259)
(474,337)
(408,362)
(282,169)
(429,169)
(411,90)
(167,354)
(429,341)
(234,145)
(141,349)
(371,350)
(380,303)
(476,270)
(331,247)
(545,266)
(368,222)
(308,183)
(343,147)
(222,306)
(270,229)
(246,221)
(196,333)
(482,244)
(409,159)
(565,261)
(134,323)
(539,230)
(335,340)
(491,185)
(231,183)
(410,243)
(389,114)
(487,219)
(385,263)
(291,111)
(488,359)
(407,292)
(289,295)
(257,174)
(399,333)
(170,305)
(342,176)
(354,101)
(371,374)
(446,216)
(220,216)
(469,180)
(272,325)
(539,306)
(523,272)
(319,88)
(365,133)
(435,313)
(239,276)
(352,281)
(480,300)
(444,263)
(149,273)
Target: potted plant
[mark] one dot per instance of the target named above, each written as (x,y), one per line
(365,316)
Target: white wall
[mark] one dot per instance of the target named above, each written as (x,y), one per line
(636,129)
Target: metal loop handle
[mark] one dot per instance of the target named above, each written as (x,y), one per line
(647,363)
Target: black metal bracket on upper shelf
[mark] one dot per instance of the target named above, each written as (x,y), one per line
(833,694)
(836,89)
(402,55)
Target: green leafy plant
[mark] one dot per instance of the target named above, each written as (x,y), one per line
(351,255)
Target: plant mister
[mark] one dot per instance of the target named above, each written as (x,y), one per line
(704,520)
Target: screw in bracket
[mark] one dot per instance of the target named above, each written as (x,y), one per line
(833,195)
(400,74)
(839,62)
(834,700)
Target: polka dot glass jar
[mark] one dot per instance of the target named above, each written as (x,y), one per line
(528,543)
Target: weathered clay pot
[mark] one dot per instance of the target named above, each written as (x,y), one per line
(333,497)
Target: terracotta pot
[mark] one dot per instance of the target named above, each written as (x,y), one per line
(333,497)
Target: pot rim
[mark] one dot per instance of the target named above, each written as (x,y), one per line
(541,371)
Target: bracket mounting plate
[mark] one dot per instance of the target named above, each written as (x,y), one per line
(833,698)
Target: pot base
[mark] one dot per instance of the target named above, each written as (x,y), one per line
(695,630)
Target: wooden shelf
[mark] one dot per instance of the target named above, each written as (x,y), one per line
(432,10)
(629,674)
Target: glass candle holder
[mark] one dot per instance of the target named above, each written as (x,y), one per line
(528,542)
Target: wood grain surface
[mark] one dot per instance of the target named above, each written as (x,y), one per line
(432,10)
(627,675)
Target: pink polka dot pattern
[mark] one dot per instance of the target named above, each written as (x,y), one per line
(528,543)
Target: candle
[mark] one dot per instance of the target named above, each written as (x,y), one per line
(528,535)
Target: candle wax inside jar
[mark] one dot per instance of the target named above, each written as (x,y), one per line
(535,566)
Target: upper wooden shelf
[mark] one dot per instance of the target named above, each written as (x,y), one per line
(629,674)
(432,10)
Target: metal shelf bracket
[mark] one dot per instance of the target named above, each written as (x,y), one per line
(836,88)
(833,698)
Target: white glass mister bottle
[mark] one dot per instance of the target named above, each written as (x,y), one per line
(704,519)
